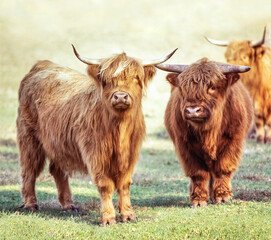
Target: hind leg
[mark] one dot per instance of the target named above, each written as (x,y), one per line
(260,129)
(32,161)
(268,131)
(63,188)
(253,131)
(211,190)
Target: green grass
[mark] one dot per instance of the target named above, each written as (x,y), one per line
(159,195)
(32,30)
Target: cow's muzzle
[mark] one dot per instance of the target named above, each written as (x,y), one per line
(196,114)
(121,100)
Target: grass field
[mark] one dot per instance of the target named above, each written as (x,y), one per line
(33,30)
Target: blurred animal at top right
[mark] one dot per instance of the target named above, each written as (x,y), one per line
(256,55)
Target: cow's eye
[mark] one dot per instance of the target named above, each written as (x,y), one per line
(245,58)
(212,90)
(138,81)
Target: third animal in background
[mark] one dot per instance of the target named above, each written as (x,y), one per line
(258,80)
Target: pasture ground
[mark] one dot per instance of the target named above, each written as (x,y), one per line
(32,30)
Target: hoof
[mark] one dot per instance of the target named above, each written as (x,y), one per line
(71,208)
(128,218)
(218,201)
(268,140)
(199,204)
(252,134)
(33,207)
(260,139)
(108,222)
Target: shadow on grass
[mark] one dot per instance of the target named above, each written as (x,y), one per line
(10,202)
(89,207)
(168,201)
(253,195)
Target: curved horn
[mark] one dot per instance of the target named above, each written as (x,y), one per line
(216,42)
(158,61)
(84,59)
(261,42)
(178,68)
(226,68)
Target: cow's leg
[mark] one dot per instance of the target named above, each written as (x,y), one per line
(125,207)
(198,188)
(106,187)
(63,188)
(268,131)
(32,161)
(220,187)
(211,191)
(260,129)
(253,131)
(222,170)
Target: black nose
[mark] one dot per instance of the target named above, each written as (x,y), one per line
(191,112)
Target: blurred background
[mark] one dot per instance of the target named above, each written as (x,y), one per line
(33,30)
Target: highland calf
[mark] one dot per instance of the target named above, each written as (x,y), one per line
(257,81)
(207,117)
(83,124)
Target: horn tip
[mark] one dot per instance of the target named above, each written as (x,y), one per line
(75,52)
(246,68)
(172,52)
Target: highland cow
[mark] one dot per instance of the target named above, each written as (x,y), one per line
(257,81)
(84,124)
(207,117)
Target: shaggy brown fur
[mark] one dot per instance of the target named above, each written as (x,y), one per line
(70,119)
(210,148)
(257,81)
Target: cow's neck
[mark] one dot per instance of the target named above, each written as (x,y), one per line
(122,131)
(209,137)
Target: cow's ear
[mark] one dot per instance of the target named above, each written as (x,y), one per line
(93,71)
(232,78)
(173,78)
(149,72)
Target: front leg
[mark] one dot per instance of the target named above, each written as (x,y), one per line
(220,188)
(125,207)
(198,189)
(106,188)
(222,170)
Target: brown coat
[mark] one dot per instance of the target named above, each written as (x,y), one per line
(257,81)
(88,124)
(207,117)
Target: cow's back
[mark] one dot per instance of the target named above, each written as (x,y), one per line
(50,82)
(52,100)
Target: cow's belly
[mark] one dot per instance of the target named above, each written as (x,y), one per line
(67,158)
